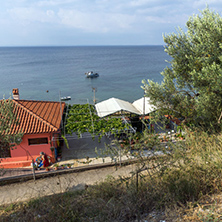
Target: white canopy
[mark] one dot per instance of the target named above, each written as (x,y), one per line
(114,105)
(144,106)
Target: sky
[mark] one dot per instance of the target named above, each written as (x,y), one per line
(95,22)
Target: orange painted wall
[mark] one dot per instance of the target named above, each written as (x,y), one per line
(24,149)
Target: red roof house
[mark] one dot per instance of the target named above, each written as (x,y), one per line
(40,122)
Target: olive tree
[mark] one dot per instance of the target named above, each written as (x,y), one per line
(192,83)
(9,135)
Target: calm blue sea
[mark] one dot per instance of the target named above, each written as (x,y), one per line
(44,73)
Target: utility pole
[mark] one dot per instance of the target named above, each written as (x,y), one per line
(94,94)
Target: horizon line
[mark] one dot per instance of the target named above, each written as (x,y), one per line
(74,45)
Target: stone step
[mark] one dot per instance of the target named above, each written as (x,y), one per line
(17,164)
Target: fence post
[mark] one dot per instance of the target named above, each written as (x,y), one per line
(33,169)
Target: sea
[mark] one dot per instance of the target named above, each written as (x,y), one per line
(49,73)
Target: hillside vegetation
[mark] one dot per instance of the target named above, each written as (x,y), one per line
(184,184)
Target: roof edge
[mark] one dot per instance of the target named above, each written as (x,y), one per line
(36,116)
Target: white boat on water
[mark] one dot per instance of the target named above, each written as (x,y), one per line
(91,74)
(65,98)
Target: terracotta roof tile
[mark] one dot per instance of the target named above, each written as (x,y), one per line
(38,116)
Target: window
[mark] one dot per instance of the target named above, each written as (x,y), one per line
(38,141)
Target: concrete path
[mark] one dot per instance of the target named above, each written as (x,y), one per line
(24,191)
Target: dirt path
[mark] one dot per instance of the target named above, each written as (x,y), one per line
(57,184)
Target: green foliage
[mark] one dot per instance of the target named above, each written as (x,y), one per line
(192,84)
(8,120)
(197,167)
(83,118)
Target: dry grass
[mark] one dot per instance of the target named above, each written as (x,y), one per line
(185,186)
